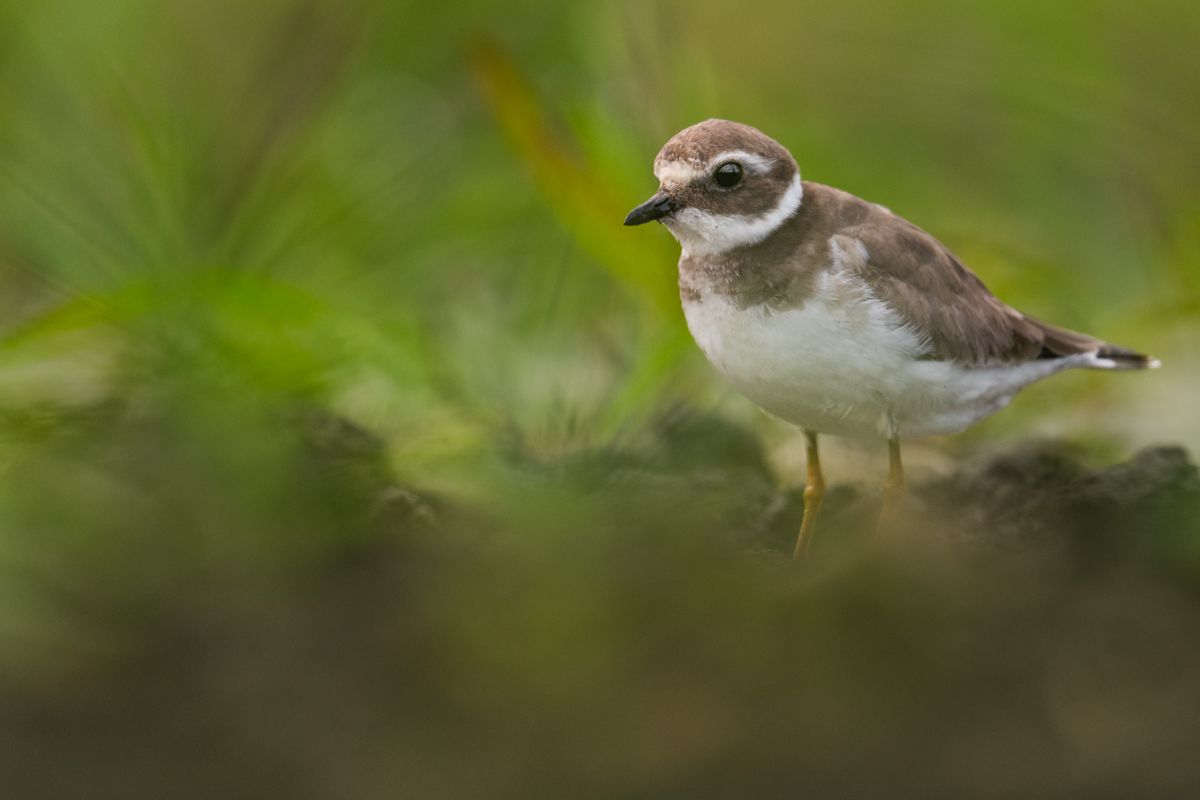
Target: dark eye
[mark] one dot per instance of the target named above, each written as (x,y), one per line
(729,174)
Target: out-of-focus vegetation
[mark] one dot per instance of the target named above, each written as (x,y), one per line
(350,447)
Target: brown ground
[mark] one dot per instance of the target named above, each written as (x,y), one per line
(1032,631)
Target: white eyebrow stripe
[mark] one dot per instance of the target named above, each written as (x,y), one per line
(749,161)
(685,172)
(677,171)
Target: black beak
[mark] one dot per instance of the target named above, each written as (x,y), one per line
(656,207)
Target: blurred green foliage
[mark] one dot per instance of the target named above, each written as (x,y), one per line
(319,333)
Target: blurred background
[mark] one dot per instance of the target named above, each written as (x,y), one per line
(351,447)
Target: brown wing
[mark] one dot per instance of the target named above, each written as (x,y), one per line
(935,293)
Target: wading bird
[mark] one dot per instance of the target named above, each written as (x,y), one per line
(835,314)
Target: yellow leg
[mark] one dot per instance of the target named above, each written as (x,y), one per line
(893,488)
(814,493)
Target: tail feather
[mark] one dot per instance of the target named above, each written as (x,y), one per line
(1059,343)
(1110,356)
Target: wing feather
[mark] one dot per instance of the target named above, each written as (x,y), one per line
(943,301)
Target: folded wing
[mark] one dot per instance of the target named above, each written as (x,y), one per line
(951,309)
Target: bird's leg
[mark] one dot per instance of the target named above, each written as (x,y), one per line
(893,487)
(814,493)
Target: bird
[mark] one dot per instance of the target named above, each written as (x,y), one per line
(836,314)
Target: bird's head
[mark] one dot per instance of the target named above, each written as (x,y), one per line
(722,185)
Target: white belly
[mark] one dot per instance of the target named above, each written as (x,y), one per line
(845,364)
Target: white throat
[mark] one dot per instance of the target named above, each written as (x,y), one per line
(703,233)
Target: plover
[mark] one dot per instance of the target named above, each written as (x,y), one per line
(835,314)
